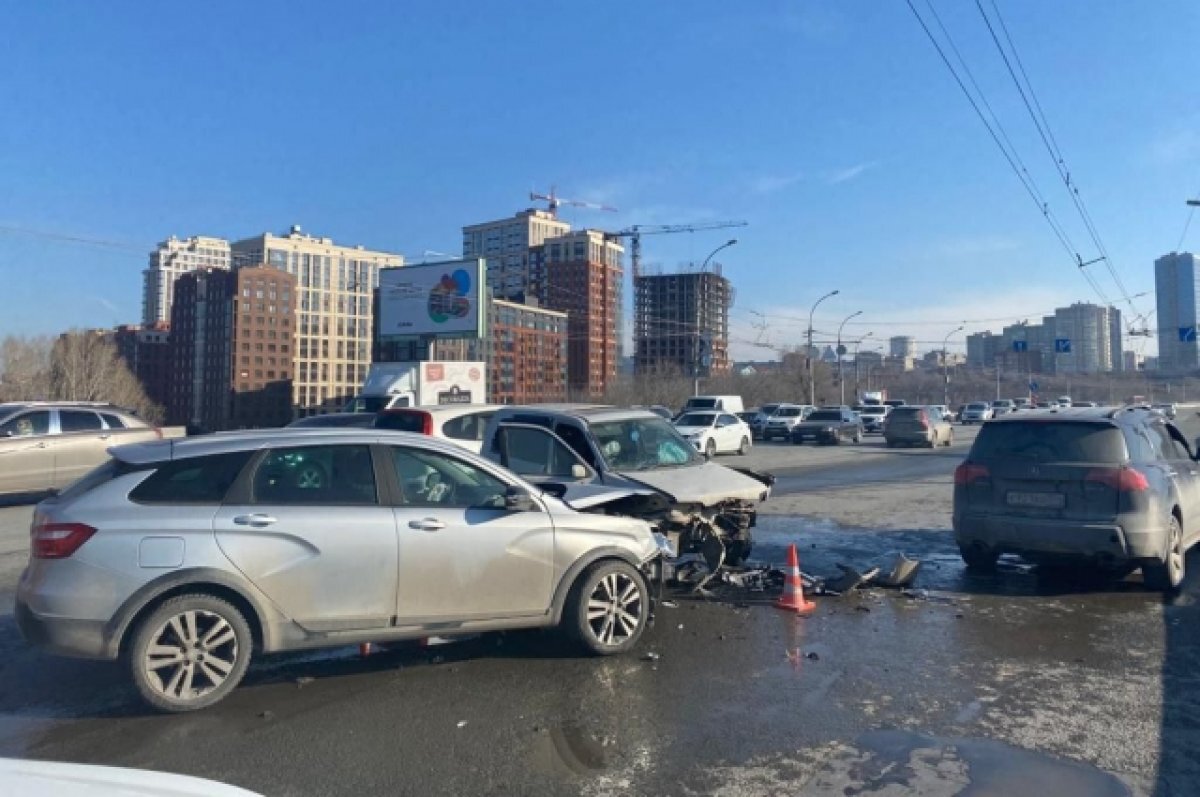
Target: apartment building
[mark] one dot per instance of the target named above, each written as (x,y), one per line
(232,349)
(681,323)
(172,259)
(334,311)
(513,272)
(583,275)
(146,350)
(1176,290)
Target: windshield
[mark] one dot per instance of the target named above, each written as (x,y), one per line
(825,415)
(977,406)
(697,419)
(873,410)
(769,409)
(788,412)
(643,444)
(701,404)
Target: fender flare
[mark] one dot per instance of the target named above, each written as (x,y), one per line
(567,582)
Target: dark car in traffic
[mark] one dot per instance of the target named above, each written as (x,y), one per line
(1117,489)
(829,426)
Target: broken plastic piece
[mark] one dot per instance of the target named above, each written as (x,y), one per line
(851,579)
(898,570)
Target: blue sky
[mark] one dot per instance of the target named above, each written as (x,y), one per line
(831,127)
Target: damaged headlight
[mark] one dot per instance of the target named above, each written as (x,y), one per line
(664,545)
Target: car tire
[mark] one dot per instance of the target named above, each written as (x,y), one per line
(189,637)
(710,448)
(744,448)
(858,436)
(976,558)
(1167,575)
(796,441)
(950,439)
(592,614)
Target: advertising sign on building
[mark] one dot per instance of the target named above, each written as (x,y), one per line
(437,300)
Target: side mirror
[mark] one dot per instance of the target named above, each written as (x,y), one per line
(578,471)
(518,500)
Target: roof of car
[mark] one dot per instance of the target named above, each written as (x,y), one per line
(1070,414)
(591,412)
(254,439)
(443,409)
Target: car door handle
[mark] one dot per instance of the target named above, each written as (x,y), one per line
(256,520)
(426,524)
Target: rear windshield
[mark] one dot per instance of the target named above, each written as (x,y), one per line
(402,421)
(1050,441)
(702,404)
(768,409)
(825,415)
(358,419)
(906,412)
(368,403)
(788,412)
(873,410)
(977,406)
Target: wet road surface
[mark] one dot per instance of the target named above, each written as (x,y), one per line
(973,685)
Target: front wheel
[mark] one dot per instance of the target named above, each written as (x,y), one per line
(710,449)
(1167,575)
(608,608)
(744,448)
(189,652)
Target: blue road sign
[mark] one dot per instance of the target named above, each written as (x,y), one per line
(1187,334)
(1033,385)
(1020,345)
(1062,345)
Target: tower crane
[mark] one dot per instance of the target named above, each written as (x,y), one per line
(635,233)
(553,201)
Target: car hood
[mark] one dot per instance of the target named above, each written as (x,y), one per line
(582,496)
(705,484)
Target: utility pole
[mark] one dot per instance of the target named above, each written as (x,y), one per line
(808,358)
(857,387)
(841,351)
(946,368)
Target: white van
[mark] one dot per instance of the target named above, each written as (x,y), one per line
(723,403)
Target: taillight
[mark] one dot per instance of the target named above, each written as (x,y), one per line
(924,419)
(426,423)
(1123,480)
(58,540)
(968,472)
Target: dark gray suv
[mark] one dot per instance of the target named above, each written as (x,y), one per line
(1118,488)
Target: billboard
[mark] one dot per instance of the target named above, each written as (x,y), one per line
(438,300)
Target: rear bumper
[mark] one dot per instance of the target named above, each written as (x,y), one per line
(86,639)
(1052,538)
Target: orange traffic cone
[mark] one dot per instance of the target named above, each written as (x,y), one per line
(793,589)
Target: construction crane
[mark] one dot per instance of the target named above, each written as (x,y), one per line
(635,233)
(553,201)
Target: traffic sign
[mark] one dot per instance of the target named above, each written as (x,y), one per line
(1187,334)
(1062,345)
(1020,345)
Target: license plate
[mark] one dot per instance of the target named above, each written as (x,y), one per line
(1041,500)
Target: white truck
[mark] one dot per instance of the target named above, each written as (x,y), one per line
(421,384)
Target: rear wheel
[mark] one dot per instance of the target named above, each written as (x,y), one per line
(950,438)
(979,559)
(858,436)
(189,652)
(608,608)
(744,448)
(1166,576)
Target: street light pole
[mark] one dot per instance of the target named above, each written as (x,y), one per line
(841,350)
(945,368)
(857,386)
(696,346)
(812,387)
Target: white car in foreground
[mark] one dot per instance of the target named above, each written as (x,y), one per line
(52,779)
(714,432)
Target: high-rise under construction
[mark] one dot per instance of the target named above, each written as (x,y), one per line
(681,323)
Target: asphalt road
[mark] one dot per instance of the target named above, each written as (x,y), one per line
(991,685)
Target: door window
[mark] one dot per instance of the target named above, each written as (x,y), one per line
(340,475)
(78,421)
(113,421)
(1166,444)
(429,478)
(197,480)
(467,427)
(726,420)
(578,441)
(27,425)
(534,452)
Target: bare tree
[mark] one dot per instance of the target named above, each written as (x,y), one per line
(24,368)
(85,366)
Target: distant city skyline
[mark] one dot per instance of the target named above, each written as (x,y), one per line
(905,205)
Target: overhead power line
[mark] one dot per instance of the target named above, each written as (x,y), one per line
(1038,116)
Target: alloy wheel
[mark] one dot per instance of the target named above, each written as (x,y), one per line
(614,609)
(190,655)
